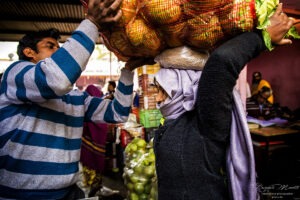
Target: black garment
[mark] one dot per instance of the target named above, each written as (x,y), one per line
(191,150)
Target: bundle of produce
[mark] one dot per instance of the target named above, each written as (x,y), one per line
(148,27)
(139,171)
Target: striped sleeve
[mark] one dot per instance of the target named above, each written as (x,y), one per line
(113,111)
(53,76)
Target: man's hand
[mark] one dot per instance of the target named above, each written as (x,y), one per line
(103,12)
(133,63)
(280,25)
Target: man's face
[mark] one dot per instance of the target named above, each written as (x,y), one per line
(263,97)
(45,48)
(256,78)
(111,88)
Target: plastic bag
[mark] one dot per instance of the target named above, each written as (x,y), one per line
(139,171)
(183,57)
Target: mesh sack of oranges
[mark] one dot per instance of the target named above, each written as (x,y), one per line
(148,27)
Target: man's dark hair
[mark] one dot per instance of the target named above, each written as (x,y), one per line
(256,77)
(112,83)
(31,39)
(256,74)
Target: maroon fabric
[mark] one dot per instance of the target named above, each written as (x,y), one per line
(94,91)
(94,139)
(93,146)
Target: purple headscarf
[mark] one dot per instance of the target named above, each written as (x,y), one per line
(181,87)
(94,91)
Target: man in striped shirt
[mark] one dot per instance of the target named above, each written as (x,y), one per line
(41,117)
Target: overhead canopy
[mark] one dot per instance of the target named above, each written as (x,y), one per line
(18,17)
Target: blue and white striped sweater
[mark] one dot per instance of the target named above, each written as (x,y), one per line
(41,119)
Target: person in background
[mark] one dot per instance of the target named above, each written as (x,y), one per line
(258,83)
(258,105)
(191,146)
(136,98)
(93,149)
(110,90)
(42,118)
(94,90)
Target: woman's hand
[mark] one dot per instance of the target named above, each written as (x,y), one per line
(280,25)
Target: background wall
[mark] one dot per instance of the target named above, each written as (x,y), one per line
(281,67)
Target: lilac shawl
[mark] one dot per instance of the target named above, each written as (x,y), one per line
(240,156)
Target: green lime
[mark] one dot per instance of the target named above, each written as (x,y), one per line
(151,150)
(138,169)
(150,157)
(147,188)
(133,196)
(146,162)
(128,148)
(134,178)
(143,196)
(130,186)
(139,188)
(153,192)
(133,147)
(141,144)
(149,171)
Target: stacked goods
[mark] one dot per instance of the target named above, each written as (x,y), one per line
(146,97)
(148,90)
(149,26)
(139,171)
(112,163)
(149,116)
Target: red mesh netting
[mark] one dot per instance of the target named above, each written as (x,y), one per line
(149,26)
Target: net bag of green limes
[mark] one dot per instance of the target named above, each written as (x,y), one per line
(139,171)
(148,27)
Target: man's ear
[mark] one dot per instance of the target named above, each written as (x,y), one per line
(28,52)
